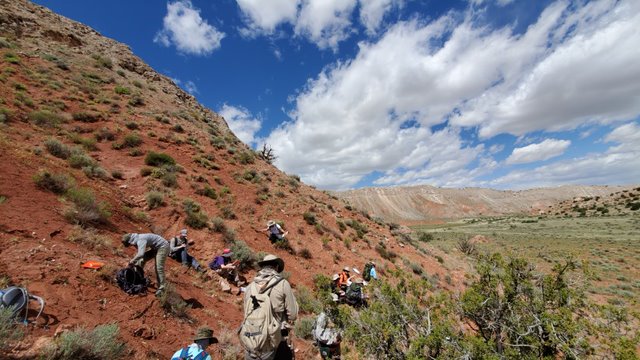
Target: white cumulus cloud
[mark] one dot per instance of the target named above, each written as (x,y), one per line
(620,164)
(325,22)
(262,16)
(372,12)
(545,150)
(575,66)
(241,122)
(190,33)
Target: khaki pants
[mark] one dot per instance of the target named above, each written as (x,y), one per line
(161,258)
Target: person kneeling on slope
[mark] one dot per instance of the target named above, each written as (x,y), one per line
(196,351)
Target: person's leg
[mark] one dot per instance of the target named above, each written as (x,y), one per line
(161,259)
(284,351)
(194,263)
(184,257)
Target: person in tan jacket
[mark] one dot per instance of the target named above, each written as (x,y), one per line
(283,303)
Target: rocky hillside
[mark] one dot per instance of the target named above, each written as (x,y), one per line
(94,144)
(621,202)
(424,203)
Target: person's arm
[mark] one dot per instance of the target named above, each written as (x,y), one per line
(141,243)
(290,303)
(172,245)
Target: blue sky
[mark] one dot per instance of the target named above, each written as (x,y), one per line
(351,93)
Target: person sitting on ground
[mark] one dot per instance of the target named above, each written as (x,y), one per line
(345,278)
(336,291)
(226,268)
(158,249)
(327,335)
(369,272)
(179,251)
(276,233)
(196,351)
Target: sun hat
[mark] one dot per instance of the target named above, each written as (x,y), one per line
(205,333)
(270,259)
(346,268)
(335,277)
(270,223)
(227,253)
(183,232)
(126,239)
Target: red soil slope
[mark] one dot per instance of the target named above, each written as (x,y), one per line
(50,63)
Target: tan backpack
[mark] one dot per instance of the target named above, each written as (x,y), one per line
(260,331)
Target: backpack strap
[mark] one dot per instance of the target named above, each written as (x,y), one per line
(41,301)
(184,353)
(203,355)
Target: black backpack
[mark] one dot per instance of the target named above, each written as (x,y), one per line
(17,299)
(132,280)
(366,273)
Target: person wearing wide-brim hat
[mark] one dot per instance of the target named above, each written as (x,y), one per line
(204,337)
(276,233)
(283,303)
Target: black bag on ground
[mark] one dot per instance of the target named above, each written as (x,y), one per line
(17,299)
(132,280)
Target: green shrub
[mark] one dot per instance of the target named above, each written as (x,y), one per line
(46,118)
(11,58)
(95,171)
(218,225)
(173,304)
(105,134)
(5,115)
(158,159)
(177,128)
(56,183)
(87,143)
(310,218)
(227,213)
(245,157)
(154,199)
(304,327)
(57,149)
(146,171)
(10,330)
(117,174)
(132,125)
(136,100)
(305,253)
(79,160)
(243,253)
(88,117)
(425,236)
(131,140)
(307,301)
(195,217)
(170,180)
(122,90)
(101,343)
(90,239)
(229,236)
(85,209)
(103,62)
(207,191)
